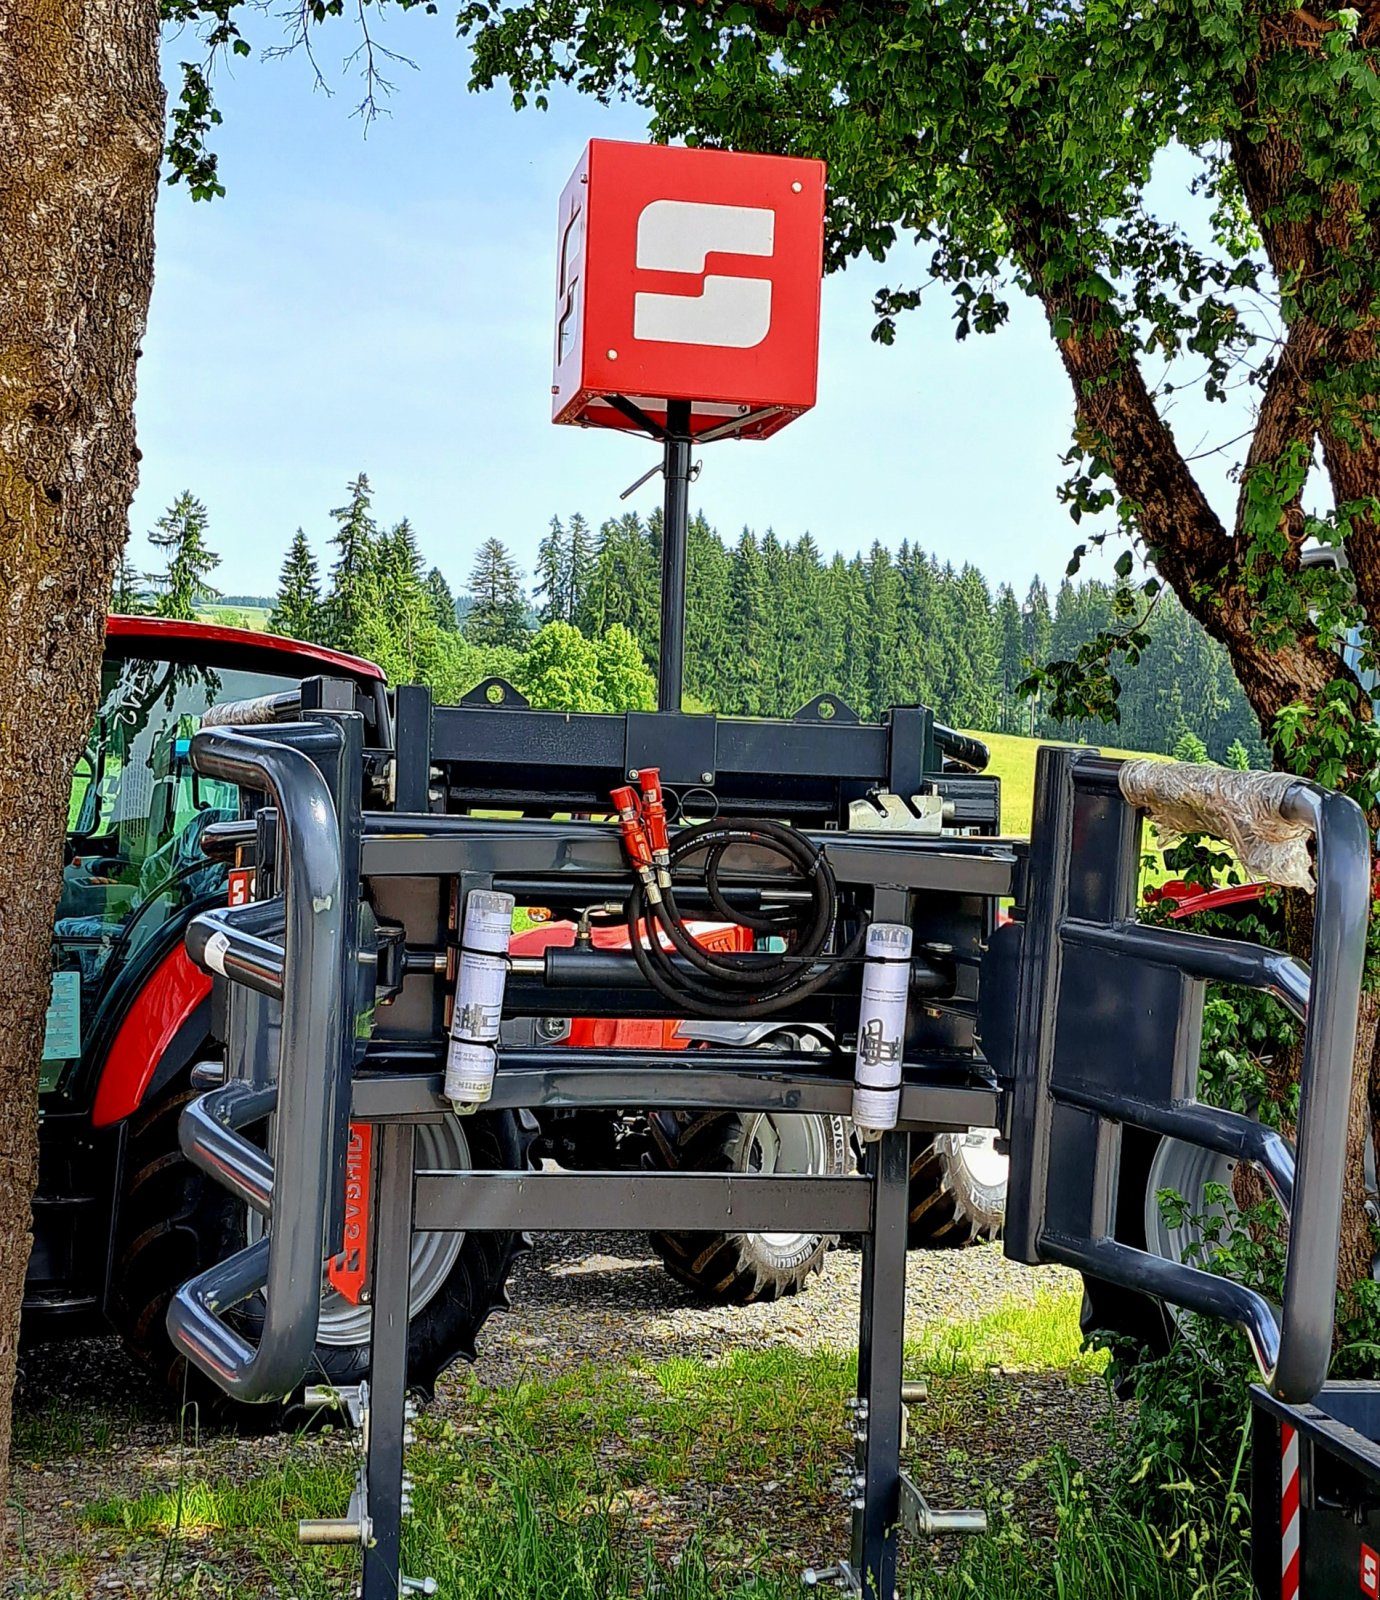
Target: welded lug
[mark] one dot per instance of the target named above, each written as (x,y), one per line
(350,1398)
(334,1530)
(841,1575)
(920,1519)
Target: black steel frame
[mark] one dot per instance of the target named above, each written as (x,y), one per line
(297,968)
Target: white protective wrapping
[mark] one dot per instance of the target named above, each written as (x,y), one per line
(881,1029)
(472,1057)
(242,713)
(1241,808)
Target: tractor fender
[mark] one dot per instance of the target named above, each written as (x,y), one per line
(166,1024)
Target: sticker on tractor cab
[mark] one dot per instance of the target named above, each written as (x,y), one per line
(62,1028)
(1370,1572)
(348,1271)
(241,890)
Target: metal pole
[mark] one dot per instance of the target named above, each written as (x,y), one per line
(881,1338)
(392,1253)
(675,521)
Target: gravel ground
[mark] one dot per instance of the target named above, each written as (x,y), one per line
(88,1426)
(580,1298)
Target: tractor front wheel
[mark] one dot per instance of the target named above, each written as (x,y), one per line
(739,1268)
(957,1189)
(175,1221)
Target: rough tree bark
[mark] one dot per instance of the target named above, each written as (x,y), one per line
(81,120)
(1208,564)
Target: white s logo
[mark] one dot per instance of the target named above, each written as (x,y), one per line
(678,236)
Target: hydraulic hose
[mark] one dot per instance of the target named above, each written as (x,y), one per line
(739,984)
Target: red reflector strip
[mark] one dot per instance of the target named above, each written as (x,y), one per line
(1289,1514)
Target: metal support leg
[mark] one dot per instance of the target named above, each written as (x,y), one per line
(881,1337)
(392,1245)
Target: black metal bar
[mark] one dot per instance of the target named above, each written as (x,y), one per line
(209,1134)
(675,524)
(569,1079)
(881,1340)
(597,1202)
(311,1075)
(1227,1132)
(1198,955)
(1193,1287)
(413,739)
(392,1253)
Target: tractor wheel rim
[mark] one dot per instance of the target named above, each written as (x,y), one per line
(795,1142)
(978,1152)
(441,1146)
(1185,1170)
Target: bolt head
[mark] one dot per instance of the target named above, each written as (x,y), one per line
(706,777)
(613,355)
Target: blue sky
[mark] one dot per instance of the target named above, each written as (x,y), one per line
(385,303)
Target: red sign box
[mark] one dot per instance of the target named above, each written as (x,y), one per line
(688,275)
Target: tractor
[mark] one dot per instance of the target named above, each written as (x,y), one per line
(121,1218)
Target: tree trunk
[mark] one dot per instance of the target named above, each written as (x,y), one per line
(81,120)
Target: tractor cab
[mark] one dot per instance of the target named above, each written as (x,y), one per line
(134,865)
(129,1014)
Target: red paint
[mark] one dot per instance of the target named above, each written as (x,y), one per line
(157,632)
(625,1033)
(349,1271)
(171,994)
(1188,898)
(689,275)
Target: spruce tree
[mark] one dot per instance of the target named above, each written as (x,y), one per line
(442,600)
(352,604)
(297,609)
(402,635)
(128,596)
(1189,747)
(1011,658)
(181,531)
(551,588)
(498,611)
(1238,757)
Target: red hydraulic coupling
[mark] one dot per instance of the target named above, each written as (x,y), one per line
(654,815)
(635,842)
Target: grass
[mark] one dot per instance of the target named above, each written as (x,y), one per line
(1013,761)
(681,1479)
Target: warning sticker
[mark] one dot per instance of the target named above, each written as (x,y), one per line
(62,1033)
(1370,1572)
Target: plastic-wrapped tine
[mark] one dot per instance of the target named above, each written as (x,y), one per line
(881,1029)
(473,1053)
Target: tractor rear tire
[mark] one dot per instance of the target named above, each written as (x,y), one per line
(740,1268)
(957,1192)
(174,1221)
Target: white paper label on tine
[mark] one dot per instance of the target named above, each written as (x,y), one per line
(472,1060)
(469,1072)
(214,953)
(876,1108)
(882,1026)
(479,997)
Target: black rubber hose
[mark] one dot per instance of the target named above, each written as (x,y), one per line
(745,983)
